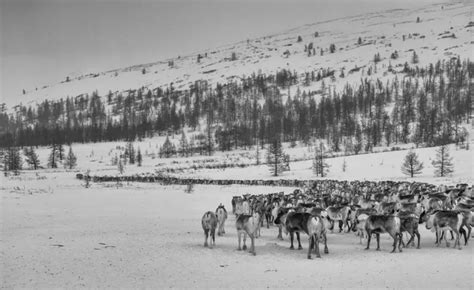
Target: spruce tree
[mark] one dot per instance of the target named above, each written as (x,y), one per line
(168,149)
(31,157)
(320,166)
(275,157)
(131,153)
(139,157)
(120,166)
(411,165)
(71,159)
(183,145)
(12,160)
(53,157)
(414,58)
(60,149)
(444,162)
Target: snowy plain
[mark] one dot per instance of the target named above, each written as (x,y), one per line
(55,233)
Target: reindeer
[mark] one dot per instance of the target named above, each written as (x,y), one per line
(386,208)
(358,219)
(280,219)
(340,214)
(440,221)
(248,225)
(221,214)
(409,224)
(209,225)
(378,224)
(313,226)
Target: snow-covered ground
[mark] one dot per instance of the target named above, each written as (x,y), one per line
(56,233)
(383,32)
(384,165)
(377,166)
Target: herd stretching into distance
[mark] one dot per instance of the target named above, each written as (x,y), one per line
(368,208)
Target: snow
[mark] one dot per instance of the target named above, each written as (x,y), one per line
(58,234)
(55,233)
(376,166)
(381,32)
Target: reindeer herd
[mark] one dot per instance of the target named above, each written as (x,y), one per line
(367,208)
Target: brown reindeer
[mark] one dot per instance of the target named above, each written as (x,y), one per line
(313,226)
(441,221)
(409,224)
(378,224)
(221,214)
(209,225)
(358,219)
(280,219)
(248,225)
(340,214)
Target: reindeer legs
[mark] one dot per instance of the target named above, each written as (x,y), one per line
(310,246)
(299,241)
(206,233)
(377,236)
(316,245)
(369,237)
(239,234)
(280,237)
(252,246)
(291,239)
(245,239)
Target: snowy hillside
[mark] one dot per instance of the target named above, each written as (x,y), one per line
(443,31)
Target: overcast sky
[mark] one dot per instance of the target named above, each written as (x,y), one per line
(42,41)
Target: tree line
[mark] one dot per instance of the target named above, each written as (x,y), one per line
(423,105)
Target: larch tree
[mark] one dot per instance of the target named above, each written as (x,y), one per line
(443,162)
(275,157)
(71,159)
(139,157)
(53,157)
(411,165)
(31,157)
(320,166)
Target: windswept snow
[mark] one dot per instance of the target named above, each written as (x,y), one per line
(381,32)
(58,234)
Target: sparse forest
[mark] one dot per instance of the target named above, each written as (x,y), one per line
(423,105)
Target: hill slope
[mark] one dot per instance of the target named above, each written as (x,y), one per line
(442,31)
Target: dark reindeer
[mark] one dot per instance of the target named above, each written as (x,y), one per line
(378,224)
(209,225)
(313,226)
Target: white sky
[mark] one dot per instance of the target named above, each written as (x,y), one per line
(42,41)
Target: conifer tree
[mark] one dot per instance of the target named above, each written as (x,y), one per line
(53,157)
(275,157)
(31,157)
(12,160)
(184,145)
(71,159)
(131,153)
(320,166)
(443,162)
(120,166)
(411,165)
(139,157)
(414,58)
(168,149)
(60,148)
